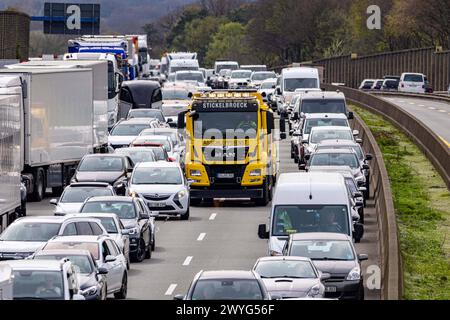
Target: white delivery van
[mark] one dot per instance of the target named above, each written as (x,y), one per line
(294,81)
(310,202)
(412,83)
(6,282)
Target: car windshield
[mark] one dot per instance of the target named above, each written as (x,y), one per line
(241,75)
(81,262)
(124,210)
(413,78)
(80,194)
(319,135)
(29,284)
(260,76)
(334,159)
(323,106)
(173,110)
(228,125)
(189,76)
(155,141)
(176,69)
(285,269)
(322,250)
(128,129)
(290,85)
(143,175)
(30,231)
(268,85)
(356,148)
(100,163)
(92,247)
(178,94)
(137,155)
(227,290)
(325,122)
(140,113)
(290,219)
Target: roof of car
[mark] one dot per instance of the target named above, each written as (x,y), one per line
(49,265)
(325,115)
(110,198)
(323,95)
(328,128)
(342,143)
(93,215)
(283,258)
(72,252)
(319,236)
(343,150)
(102,155)
(227,274)
(159,164)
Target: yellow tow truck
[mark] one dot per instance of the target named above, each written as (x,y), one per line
(231,150)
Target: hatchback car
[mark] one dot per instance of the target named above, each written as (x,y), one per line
(163,187)
(106,254)
(75,194)
(332,253)
(226,285)
(126,131)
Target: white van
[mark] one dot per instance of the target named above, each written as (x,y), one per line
(183,65)
(294,81)
(310,202)
(412,83)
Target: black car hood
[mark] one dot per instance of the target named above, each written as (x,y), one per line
(108,177)
(335,267)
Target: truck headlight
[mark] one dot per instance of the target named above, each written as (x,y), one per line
(314,291)
(195,173)
(255,173)
(355,274)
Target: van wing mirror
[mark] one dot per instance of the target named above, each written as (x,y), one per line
(351,115)
(262,232)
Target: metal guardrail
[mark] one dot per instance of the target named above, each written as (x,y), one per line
(391,266)
(429,96)
(430,144)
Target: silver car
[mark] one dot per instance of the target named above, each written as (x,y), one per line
(291,277)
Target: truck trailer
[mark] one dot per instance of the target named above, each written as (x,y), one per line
(55,121)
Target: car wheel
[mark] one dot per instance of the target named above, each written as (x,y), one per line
(148,252)
(265,199)
(104,293)
(39,186)
(360,295)
(195,202)
(140,252)
(185,216)
(153,243)
(122,294)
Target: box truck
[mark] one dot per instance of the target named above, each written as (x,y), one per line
(56,123)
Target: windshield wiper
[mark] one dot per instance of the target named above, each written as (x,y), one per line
(330,259)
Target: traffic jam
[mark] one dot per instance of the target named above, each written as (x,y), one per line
(122,143)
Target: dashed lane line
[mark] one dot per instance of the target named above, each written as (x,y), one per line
(187,261)
(201,237)
(213,216)
(171,289)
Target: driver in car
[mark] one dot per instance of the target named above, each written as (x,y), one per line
(328,223)
(49,288)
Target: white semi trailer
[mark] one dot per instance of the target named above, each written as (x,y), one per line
(56,124)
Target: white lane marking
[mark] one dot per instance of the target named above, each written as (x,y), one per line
(201,237)
(421,105)
(401,101)
(431,108)
(187,261)
(443,111)
(171,289)
(213,216)
(412,103)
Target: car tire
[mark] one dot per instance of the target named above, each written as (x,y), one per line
(104,293)
(195,202)
(122,294)
(262,202)
(39,186)
(148,252)
(139,255)
(153,243)
(360,295)
(57,191)
(185,216)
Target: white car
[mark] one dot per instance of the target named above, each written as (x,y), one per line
(163,187)
(267,87)
(367,84)
(75,194)
(239,79)
(125,131)
(412,83)
(106,254)
(259,77)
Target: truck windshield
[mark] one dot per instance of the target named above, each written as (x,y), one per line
(222,125)
(290,85)
(323,106)
(289,219)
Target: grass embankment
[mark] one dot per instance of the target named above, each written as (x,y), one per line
(422,205)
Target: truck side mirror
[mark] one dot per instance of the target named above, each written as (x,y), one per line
(262,232)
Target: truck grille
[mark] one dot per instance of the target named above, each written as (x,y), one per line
(224,154)
(225,174)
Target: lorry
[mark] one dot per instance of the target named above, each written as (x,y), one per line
(143,53)
(115,79)
(231,148)
(10,137)
(56,124)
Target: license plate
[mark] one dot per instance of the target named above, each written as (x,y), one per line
(330,289)
(157,205)
(225,175)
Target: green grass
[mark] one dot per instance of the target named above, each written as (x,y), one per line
(422,205)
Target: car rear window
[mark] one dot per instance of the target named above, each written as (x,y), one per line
(413,78)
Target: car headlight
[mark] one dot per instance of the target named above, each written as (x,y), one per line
(355,274)
(181,194)
(314,291)
(255,173)
(195,173)
(89,291)
(133,231)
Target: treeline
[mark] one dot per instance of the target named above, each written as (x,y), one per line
(278,32)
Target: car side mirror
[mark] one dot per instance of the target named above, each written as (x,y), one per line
(130,170)
(359,203)
(102,270)
(359,231)
(369,157)
(262,232)
(362,189)
(357,194)
(144,216)
(363,257)
(178,297)
(190,181)
(325,276)
(169,120)
(110,259)
(307,157)
(54,202)
(263,94)
(279,91)
(358,140)
(355,133)
(304,140)
(283,136)
(365,167)
(351,115)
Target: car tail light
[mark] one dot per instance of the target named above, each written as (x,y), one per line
(172,159)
